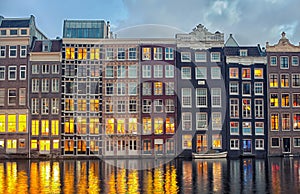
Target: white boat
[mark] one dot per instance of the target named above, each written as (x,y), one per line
(209,155)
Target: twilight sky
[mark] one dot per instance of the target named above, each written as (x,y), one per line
(250,21)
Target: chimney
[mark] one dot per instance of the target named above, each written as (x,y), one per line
(108,30)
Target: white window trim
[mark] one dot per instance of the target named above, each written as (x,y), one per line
(234,148)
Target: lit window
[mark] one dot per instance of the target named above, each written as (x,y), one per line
(169,53)
(258,73)
(186,73)
(158,88)
(157,53)
(81,104)
(22,124)
(234,108)
(70,53)
(69,146)
(217,141)
(69,104)
(170,146)
(285,100)
(56,144)
(35,127)
(201,121)
(132,125)
(296,100)
(94,105)
(147,125)
(185,57)
(246,108)
(186,97)
(234,128)
(273,80)
(147,146)
(2,123)
(45,145)
(158,125)
(82,53)
(81,125)
(34,144)
(110,126)
(285,121)
(170,125)
(233,73)
(246,73)
(284,80)
(246,128)
(274,121)
(109,106)
(186,121)
(296,121)
(273,100)
(45,127)
(11,144)
(69,126)
(187,141)
(12,123)
(215,73)
(94,125)
(121,53)
(94,54)
(146,53)
(55,127)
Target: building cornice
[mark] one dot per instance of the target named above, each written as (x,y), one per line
(283,45)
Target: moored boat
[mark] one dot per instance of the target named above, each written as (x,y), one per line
(209,155)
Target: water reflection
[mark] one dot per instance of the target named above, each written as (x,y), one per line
(276,175)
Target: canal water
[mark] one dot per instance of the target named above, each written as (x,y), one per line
(273,175)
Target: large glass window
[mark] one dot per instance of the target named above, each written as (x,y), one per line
(296,100)
(146,70)
(158,125)
(217,141)
(132,71)
(94,125)
(109,106)
(216,118)
(45,85)
(273,60)
(146,53)
(170,106)
(45,127)
(121,53)
(12,123)
(147,125)
(259,128)
(258,88)
(233,88)
(12,96)
(132,106)
(158,88)
(121,89)
(94,105)
(215,73)
(147,88)
(82,53)
(169,71)
(258,73)
(215,57)
(109,53)
(22,72)
(285,121)
(158,106)
(94,54)
(274,121)
(22,96)
(158,71)
(2,97)
(187,141)
(284,80)
(246,73)
(109,71)
(233,73)
(147,106)
(69,126)
(246,88)
(200,57)
(81,104)
(169,88)
(170,125)
(234,108)
(285,100)
(12,72)
(121,106)
(54,127)
(70,53)
(259,108)
(2,51)
(2,73)
(22,123)
(132,54)
(296,121)
(132,125)
(12,51)
(273,80)
(110,126)
(121,126)
(109,89)
(284,62)
(273,100)
(121,71)
(169,53)
(246,128)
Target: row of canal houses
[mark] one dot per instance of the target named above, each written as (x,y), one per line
(91,94)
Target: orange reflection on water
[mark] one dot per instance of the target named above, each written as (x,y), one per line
(158,182)
(11,177)
(69,175)
(217,177)
(93,180)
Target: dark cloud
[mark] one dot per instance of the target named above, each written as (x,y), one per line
(251,21)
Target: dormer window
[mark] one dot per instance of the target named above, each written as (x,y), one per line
(13,32)
(46,46)
(3,32)
(23,32)
(243,53)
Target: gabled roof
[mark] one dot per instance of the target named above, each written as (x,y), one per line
(231,42)
(252,51)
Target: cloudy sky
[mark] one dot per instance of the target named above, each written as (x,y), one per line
(250,21)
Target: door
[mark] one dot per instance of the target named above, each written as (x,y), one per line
(247,146)
(286,145)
